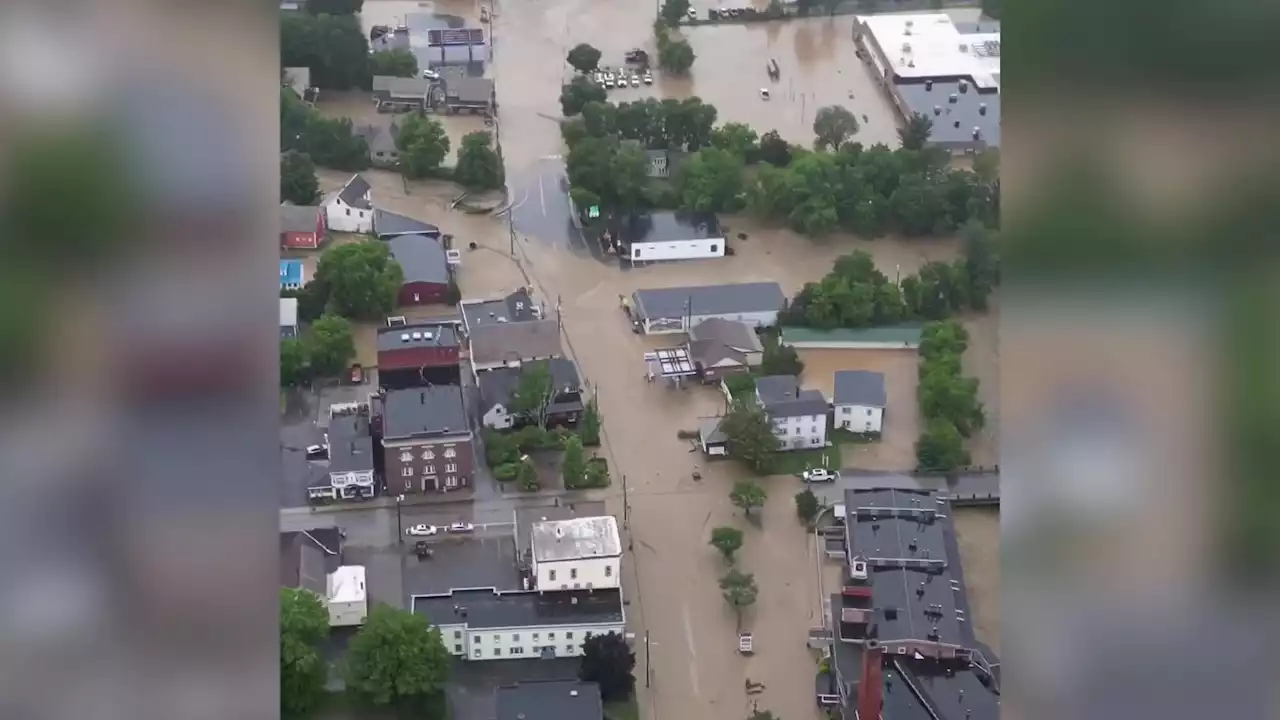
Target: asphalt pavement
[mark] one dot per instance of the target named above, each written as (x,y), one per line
(540,206)
(853,479)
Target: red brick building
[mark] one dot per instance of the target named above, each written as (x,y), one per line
(301,227)
(418,355)
(425,439)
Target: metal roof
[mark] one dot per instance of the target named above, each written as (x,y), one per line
(418,412)
(909,335)
(859,387)
(549,700)
(489,609)
(422,257)
(576,538)
(701,300)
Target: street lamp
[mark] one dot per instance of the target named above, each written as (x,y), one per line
(399,526)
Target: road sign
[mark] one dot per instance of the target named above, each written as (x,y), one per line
(593,211)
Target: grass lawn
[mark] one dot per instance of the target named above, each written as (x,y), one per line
(795,462)
(841,436)
(629,710)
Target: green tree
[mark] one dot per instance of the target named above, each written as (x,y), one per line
(397,659)
(807,506)
(333,46)
(748,494)
(398,62)
(311,298)
(423,145)
(774,150)
(527,476)
(749,434)
(918,205)
(600,119)
(295,364)
(712,180)
(589,430)
(915,132)
(946,394)
(728,540)
(941,447)
(532,393)
(673,11)
(332,143)
(584,58)
(739,589)
(833,126)
(298,183)
(579,91)
(737,138)
(676,56)
(573,465)
(629,178)
(304,626)
(334,7)
(330,345)
(607,661)
(979,262)
(762,715)
(943,339)
(479,167)
(779,359)
(359,280)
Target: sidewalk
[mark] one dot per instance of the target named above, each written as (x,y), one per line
(453,498)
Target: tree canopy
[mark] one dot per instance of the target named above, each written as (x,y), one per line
(295,362)
(330,346)
(749,434)
(739,589)
(333,46)
(533,392)
(579,91)
(608,661)
(833,126)
(676,56)
(329,142)
(573,465)
(774,150)
(479,167)
(423,145)
(712,180)
(304,626)
(589,428)
(915,132)
(298,182)
(807,506)
(737,138)
(748,494)
(673,11)
(397,657)
(948,400)
(584,58)
(359,280)
(397,62)
(334,7)
(728,540)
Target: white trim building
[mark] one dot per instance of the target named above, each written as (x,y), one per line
(859,401)
(666,235)
(351,208)
(675,310)
(799,416)
(346,596)
(576,554)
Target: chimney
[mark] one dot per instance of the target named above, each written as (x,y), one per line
(937,109)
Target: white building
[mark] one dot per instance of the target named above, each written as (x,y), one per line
(576,554)
(677,309)
(920,46)
(288,318)
(799,416)
(346,596)
(351,208)
(665,235)
(858,405)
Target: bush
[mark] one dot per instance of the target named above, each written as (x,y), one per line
(527,476)
(506,472)
(596,475)
(499,449)
(737,385)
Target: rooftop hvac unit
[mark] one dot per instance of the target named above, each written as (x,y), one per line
(404,337)
(417,336)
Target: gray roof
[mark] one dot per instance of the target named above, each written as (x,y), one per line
(429,335)
(423,412)
(953,123)
(487,609)
(299,218)
(527,516)
(354,191)
(388,224)
(498,385)
(710,432)
(709,352)
(422,258)
(574,538)
(516,307)
(676,302)
(472,562)
(736,335)
(350,444)
(782,397)
(401,87)
(379,138)
(549,700)
(668,226)
(859,387)
(469,90)
(505,342)
(307,558)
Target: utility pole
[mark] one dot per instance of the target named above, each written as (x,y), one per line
(399,522)
(626,506)
(648,666)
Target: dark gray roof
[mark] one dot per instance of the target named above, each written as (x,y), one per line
(727,332)
(550,700)
(675,303)
(423,412)
(527,516)
(782,397)
(859,387)
(516,307)
(422,258)
(469,90)
(489,609)
(307,558)
(473,562)
(967,110)
(350,444)
(430,336)
(354,191)
(709,352)
(298,218)
(455,36)
(497,385)
(504,342)
(379,139)
(668,226)
(387,225)
(984,27)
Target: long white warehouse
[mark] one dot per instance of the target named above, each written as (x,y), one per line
(675,310)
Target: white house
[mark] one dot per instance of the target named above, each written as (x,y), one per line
(351,208)
(288,317)
(799,416)
(858,405)
(666,235)
(346,596)
(677,309)
(576,554)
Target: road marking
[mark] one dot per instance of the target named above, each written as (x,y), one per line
(693,652)
(542,195)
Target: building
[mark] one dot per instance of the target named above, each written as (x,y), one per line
(516,307)
(512,344)
(351,208)
(397,94)
(859,401)
(387,225)
(799,416)
(307,558)
(467,94)
(347,598)
(453,46)
(711,437)
(899,337)
(672,310)
(549,700)
(498,386)
(416,355)
(935,67)
(902,615)
(724,347)
(667,235)
(427,272)
(426,439)
(288,318)
(292,275)
(382,144)
(582,553)
(351,473)
(301,227)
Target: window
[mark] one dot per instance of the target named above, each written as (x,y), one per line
(868,412)
(635,252)
(451,468)
(517,651)
(813,430)
(497,638)
(406,471)
(477,653)
(515,637)
(551,636)
(551,575)
(450,452)
(568,635)
(608,571)
(569,649)
(814,440)
(475,639)
(846,410)
(535,636)
(408,485)
(715,248)
(573,573)
(450,481)
(497,652)
(416,298)
(428,455)
(457,647)
(457,634)
(348,212)
(406,457)
(429,470)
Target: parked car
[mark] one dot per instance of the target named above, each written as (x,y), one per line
(693,14)
(648,78)
(317,452)
(820,475)
(635,81)
(423,530)
(461,527)
(430,74)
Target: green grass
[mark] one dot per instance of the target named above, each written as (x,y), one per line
(795,462)
(628,710)
(842,436)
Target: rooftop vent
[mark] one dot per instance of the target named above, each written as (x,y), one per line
(982,108)
(937,109)
(573,693)
(404,337)
(519,305)
(964,86)
(964,48)
(953,98)
(957,123)
(906,47)
(417,336)
(928,84)
(426,336)
(977,132)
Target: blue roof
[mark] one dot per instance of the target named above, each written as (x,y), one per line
(290,272)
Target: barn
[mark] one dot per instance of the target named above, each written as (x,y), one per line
(675,310)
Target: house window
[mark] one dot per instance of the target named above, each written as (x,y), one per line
(573,573)
(814,440)
(457,648)
(451,468)
(428,455)
(497,652)
(379,153)
(408,485)
(429,470)
(457,634)
(551,636)
(415,297)
(568,635)
(868,412)
(515,637)
(450,452)
(406,471)
(517,651)
(475,639)
(406,457)
(497,638)
(450,481)
(348,212)
(608,571)
(635,252)
(714,247)
(551,575)
(569,649)
(846,410)
(535,636)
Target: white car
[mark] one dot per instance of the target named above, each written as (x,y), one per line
(423,530)
(429,74)
(461,527)
(693,14)
(820,475)
(648,79)
(635,81)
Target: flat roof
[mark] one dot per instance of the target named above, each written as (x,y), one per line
(700,300)
(929,45)
(576,538)
(464,563)
(549,700)
(350,444)
(907,334)
(489,609)
(668,226)
(516,307)
(424,411)
(418,335)
(346,584)
(525,517)
(956,108)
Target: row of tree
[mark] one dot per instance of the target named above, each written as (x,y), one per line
(323,351)
(335,48)
(949,405)
(855,294)
(398,661)
(329,142)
